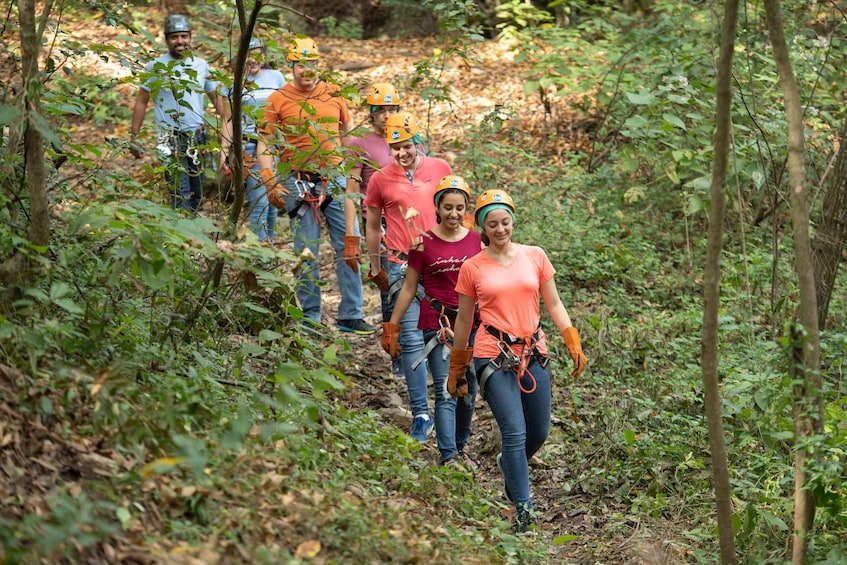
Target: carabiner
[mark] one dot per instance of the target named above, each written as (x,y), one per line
(193,154)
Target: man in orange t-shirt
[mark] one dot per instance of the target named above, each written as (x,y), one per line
(308,122)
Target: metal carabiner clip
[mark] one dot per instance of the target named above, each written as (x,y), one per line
(193,154)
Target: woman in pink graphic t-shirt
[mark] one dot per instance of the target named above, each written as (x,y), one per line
(434,264)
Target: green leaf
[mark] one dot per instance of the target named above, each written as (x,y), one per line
(69,305)
(8,114)
(674,121)
(565,539)
(641,99)
(323,381)
(629,436)
(269,335)
(124,517)
(44,129)
(58,290)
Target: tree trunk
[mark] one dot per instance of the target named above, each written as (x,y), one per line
(808,408)
(831,236)
(39,229)
(236,94)
(720,467)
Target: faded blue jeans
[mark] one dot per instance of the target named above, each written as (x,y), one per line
(307,233)
(452,416)
(524,422)
(262,215)
(412,343)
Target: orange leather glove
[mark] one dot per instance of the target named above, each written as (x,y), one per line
(390,337)
(275,190)
(571,338)
(352,252)
(380,279)
(457,379)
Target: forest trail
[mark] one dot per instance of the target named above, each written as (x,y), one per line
(479,86)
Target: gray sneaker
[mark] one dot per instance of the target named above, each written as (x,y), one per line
(505,486)
(358,327)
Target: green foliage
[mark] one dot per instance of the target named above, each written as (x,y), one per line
(216,395)
(346,29)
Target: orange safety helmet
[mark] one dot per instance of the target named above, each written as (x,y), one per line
(400,127)
(451,182)
(383,94)
(493,197)
(303,49)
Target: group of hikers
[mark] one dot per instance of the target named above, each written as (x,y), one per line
(459,304)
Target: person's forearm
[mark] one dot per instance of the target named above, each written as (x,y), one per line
(464,320)
(263,156)
(138,112)
(354,195)
(373,237)
(553,303)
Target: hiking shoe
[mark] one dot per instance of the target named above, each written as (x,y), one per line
(525,521)
(421,426)
(468,460)
(451,462)
(505,486)
(397,366)
(358,327)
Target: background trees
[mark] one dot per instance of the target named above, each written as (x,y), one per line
(121,359)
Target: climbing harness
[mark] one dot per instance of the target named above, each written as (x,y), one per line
(189,143)
(308,196)
(510,360)
(443,335)
(403,260)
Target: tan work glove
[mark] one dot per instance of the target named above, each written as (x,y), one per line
(457,379)
(390,337)
(571,338)
(352,252)
(275,190)
(380,279)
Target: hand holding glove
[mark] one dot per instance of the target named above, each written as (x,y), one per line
(390,337)
(352,252)
(227,166)
(457,379)
(135,148)
(571,338)
(380,279)
(275,190)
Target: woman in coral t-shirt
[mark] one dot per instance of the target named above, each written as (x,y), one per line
(510,350)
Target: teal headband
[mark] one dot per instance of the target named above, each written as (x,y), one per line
(496,206)
(375,109)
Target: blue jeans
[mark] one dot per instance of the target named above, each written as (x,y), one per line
(452,416)
(183,173)
(412,343)
(307,233)
(262,215)
(524,422)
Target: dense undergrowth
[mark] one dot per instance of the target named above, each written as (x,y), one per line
(227,427)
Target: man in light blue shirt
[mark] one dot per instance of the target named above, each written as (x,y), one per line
(178,82)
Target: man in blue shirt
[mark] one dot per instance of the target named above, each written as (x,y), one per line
(177,82)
